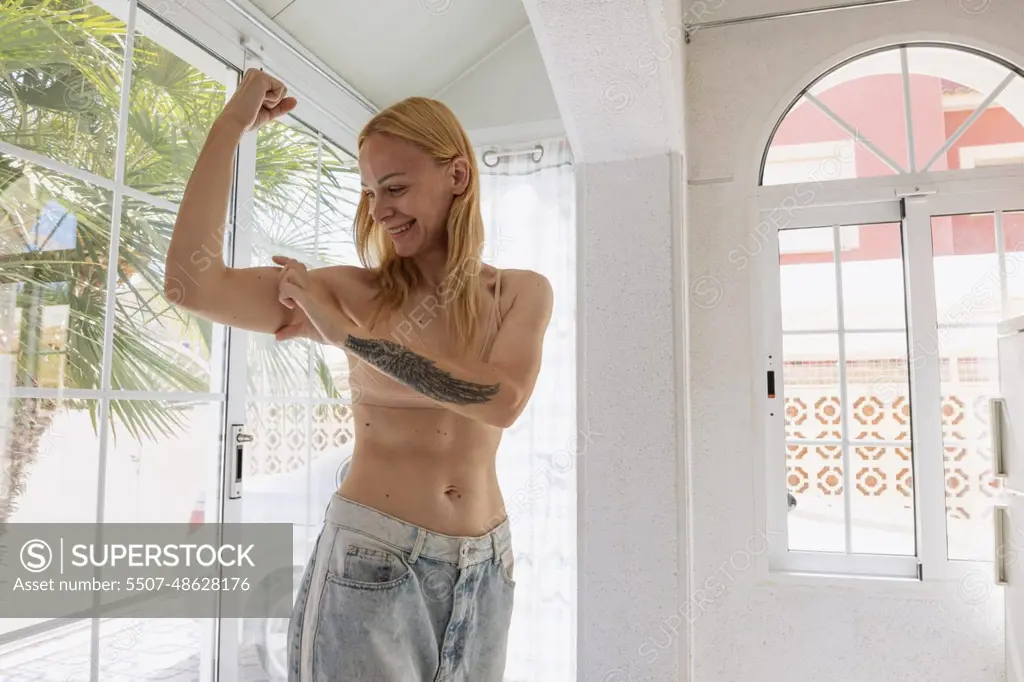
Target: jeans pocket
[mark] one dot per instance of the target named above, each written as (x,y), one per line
(368,625)
(508,567)
(369,565)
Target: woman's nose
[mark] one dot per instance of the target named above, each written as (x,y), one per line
(381,212)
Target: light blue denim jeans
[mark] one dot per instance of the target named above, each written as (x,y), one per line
(383,600)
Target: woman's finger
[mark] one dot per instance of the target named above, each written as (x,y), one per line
(295,278)
(286,262)
(288,332)
(282,108)
(287,293)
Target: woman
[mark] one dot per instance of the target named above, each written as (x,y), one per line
(412,574)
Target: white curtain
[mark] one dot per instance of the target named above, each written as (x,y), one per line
(529,210)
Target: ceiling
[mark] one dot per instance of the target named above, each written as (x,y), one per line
(391,49)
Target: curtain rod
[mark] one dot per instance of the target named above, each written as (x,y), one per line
(689,29)
(340,84)
(536,153)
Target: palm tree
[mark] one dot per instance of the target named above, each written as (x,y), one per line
(60,88)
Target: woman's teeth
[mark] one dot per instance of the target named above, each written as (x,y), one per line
(400,230)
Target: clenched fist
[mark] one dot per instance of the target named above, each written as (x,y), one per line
(259,99)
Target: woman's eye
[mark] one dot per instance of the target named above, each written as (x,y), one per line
(396,190)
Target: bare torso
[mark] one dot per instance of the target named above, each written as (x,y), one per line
(413,458)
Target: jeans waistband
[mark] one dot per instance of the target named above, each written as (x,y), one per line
(417,541)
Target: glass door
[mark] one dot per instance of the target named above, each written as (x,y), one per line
(971,268)
(291,398)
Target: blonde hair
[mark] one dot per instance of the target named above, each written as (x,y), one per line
(431,126)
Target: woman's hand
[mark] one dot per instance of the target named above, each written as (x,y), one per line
(321,310)
(259,99)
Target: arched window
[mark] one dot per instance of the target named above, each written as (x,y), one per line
(892,209)
(900,110)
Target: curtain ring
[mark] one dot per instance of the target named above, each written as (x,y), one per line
(494,156)
(538,153)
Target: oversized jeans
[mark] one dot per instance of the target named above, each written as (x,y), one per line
(382,600)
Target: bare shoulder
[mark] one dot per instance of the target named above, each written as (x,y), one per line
(343,274)
(527,290)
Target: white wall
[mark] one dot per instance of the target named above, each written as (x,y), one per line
(740,79)
(628,476)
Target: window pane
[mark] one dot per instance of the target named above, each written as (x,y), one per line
(339,195)
(872,271)
(50,455)
(808,279)
(60,81)
(54,241)
(967,280)
(856,93)
(969,379)
(877,423)
(283,222)
(40,663)
(335,244)
(808,147)
(157,346)
(132,648)
(175,98)
(969,285)
(51,452)
(163,463)
(814,471)
(285,204)
(946,87)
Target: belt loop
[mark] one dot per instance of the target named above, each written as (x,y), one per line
(495,548)
(417,546)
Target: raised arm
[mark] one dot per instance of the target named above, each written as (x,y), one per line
(196,277)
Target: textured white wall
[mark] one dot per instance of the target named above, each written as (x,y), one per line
(739,80)
(629,626)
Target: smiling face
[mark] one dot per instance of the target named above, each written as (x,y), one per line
(409,193)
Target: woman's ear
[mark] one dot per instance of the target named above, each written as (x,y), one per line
(459,173)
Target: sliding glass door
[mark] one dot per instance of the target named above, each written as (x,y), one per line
(113,399)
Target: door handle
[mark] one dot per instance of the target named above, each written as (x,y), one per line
(996,407)
(236,459)
(999,523)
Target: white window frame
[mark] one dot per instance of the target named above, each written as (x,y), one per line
(912,200)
